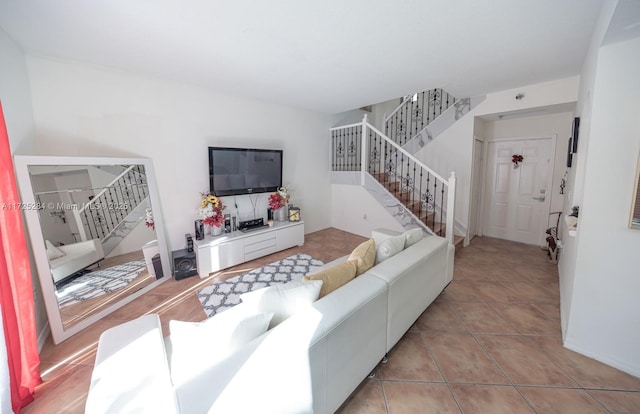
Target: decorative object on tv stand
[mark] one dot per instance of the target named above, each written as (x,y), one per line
(199,230)
(278,203)
(210,212)
(294,213)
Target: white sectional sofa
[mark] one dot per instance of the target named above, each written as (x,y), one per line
(309,363)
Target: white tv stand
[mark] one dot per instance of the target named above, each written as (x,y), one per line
(215,253)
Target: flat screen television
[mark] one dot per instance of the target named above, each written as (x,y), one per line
(234,171)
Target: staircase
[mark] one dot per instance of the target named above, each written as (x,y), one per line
(116,210)
(423,197)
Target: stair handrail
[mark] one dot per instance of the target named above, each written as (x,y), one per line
(406,153)
(404,105)
(77,212)
(94,200)
(404,101)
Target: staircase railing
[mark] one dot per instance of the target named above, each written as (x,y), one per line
(414,113)
(426,194)
(103,213)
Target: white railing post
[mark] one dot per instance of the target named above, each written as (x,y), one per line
(451,202)
(363,155)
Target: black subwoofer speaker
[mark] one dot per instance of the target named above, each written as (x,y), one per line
(184,264)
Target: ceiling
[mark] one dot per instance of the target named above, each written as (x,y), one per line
(328,56)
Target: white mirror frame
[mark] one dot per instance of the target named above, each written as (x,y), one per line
(21,163)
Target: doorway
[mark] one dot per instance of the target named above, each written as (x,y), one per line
(517,195)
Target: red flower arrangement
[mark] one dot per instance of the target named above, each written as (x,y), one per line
(515,159)
(278,199)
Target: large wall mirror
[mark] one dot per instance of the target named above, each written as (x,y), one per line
(96,232)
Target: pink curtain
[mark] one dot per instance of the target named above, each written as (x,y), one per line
(16,290)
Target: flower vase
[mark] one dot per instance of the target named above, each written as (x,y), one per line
(216,230)
(280,214)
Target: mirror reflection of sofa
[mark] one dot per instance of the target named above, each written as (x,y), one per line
(68,259)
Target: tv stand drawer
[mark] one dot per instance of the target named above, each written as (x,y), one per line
(259,245)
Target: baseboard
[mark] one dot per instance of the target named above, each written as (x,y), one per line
(621,365)
(42,336)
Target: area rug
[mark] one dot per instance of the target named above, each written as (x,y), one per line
(98,283)
(225,294)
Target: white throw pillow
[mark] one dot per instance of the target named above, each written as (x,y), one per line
(389,247)
(412,237)
(196,345)
(283,300)
(52,251)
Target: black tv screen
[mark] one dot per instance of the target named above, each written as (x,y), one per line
(234,171)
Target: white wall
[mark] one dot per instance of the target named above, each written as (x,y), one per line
(91,111)
(453,149)
(575,182)
(556,125)
(605,309)
(354,210)
(15,95)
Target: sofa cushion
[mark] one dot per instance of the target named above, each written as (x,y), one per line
(131,374)
(334,276)
(283,300)
(412,237)
(364,256)
(198,344)
(389,247)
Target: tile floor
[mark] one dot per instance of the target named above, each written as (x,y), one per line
(490,344)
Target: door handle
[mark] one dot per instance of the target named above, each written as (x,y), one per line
(540,199)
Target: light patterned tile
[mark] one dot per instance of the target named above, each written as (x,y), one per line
(461,359)
(415,397)
(561,401)
(483,399)
(410,360)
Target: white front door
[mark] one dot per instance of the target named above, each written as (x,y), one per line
(518,199)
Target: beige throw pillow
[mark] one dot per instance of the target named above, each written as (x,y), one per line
(364,255)
(334,276)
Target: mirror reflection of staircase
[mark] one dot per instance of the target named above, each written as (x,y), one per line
(116,209)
